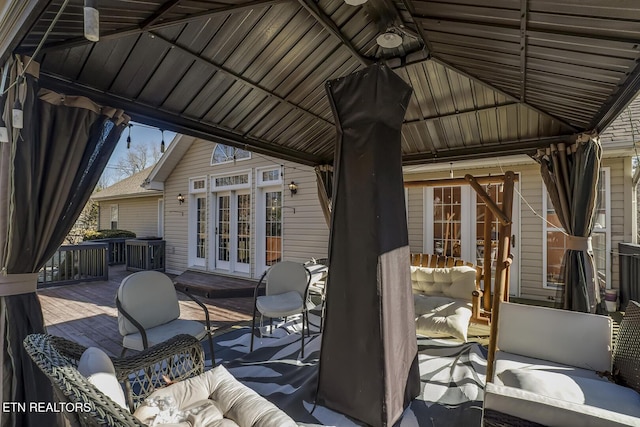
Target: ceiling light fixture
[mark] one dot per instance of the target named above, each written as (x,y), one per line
(91,21)
(355,2)
(389,40)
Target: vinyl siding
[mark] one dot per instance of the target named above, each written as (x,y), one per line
(305,232)
(139,215)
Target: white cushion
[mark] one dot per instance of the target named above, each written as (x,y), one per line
(506,361)
(164,332)
(217,393)
(280,305)
(455,282)
(601,394)
(441,316)
(96,366)
(549,411)
(462,283)
(568,337)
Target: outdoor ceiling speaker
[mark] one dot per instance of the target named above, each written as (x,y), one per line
(355,2)
(389,40)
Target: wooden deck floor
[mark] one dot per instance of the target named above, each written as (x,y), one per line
(86,313)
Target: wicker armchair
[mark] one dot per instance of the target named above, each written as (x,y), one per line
(178,358)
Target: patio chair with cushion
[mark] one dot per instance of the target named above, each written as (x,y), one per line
(92,383)
(286,292)
(149,312)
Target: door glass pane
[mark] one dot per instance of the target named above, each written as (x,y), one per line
(244,228)
(223,228)
(273,227)
(447,213)
(201,224)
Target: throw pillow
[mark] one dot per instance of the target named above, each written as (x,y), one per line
(96,366)
(441,316)
(463,283)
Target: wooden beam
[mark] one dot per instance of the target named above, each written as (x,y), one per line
(503,262)
(486,268)
(449,182)
(497,212)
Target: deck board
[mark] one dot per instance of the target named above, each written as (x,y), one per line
(86,312)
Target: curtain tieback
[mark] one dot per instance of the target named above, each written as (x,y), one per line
(579,243)
(17,284)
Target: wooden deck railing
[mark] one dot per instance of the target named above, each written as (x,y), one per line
(145,254)
(74,264)
(116,254)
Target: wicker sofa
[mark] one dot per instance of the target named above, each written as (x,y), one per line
(553,368)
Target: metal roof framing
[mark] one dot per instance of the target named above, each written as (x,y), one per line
(490,77)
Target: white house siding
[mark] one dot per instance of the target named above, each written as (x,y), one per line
(305,232)
(139,215)
(531,225)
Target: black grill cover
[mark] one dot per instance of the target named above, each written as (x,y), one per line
(368,363)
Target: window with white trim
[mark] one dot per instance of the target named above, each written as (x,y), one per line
(114,217)
(197,185)
(269,176)
(555,243)
(226,154)
(231,182)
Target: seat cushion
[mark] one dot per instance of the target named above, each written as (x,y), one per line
(280,305)
(217,394)
(164,332)
(508,361)
(576,389)
(442,316)
(96,366)
(150,298)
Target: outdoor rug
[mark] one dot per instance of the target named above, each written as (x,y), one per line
(452,378)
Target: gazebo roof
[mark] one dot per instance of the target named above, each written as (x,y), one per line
(491,77)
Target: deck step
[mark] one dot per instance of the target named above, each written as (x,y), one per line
(211,285)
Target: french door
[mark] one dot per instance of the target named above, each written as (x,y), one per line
(232,222)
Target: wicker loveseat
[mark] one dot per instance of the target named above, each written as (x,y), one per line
(552,368)
(179,358)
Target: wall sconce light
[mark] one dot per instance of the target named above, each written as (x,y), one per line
(180,198)
(293,187)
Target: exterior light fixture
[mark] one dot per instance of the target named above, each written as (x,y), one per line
(293,187)
(129,137)
(389,40)
(162,143)
(355,2)
(180,198)
(91,21)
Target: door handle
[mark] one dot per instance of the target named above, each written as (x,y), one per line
(513,241)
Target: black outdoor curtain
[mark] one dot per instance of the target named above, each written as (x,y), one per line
(324,181)
(49,169)
(570,173)
(368,363)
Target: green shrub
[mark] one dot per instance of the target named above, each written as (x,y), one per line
(108,234)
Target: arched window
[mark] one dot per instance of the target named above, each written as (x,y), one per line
(225,154)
